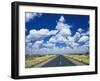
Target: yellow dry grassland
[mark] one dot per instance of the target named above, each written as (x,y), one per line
(31,61)
(81,58)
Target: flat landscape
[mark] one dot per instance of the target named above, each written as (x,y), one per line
(52,60)
(54,40)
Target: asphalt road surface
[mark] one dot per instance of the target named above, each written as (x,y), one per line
(59,61)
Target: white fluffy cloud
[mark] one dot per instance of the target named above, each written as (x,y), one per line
(37,34)
(56,50)
(62,34)
(52,40)
(49,45)
(41,32)
(80,30)
(61,25)
(62,19)
(57,38)
(53,32)
(30,16)
(77,36)
(61,39)
(37,44)
(65,32)
(84,39)
(86,33)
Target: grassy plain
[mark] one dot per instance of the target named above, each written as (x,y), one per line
(84,58)
(32,60)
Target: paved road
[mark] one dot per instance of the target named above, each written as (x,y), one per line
(59,61)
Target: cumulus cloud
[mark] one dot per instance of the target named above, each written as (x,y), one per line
(30,16)
(49,45)
(61,25)
(52,40)
(41,32)
(29,45)
(61,38)
(53,32)
(62,19)
(65,32)
(56,50)
(28,38)
(61,34)
(84,39)
(57,38)
(37,44)
(70,38)
(28,48)
(37,34)
(86,33)
(77,36)
(80,30)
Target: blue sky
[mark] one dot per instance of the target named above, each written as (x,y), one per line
(48,33)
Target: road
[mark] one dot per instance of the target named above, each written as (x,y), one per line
(59,61)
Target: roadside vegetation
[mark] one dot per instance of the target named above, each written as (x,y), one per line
(84,58)
(32,60)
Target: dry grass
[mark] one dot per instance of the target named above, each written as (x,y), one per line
(81,58)
(31,61)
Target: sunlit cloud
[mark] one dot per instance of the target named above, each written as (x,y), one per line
(45,40)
